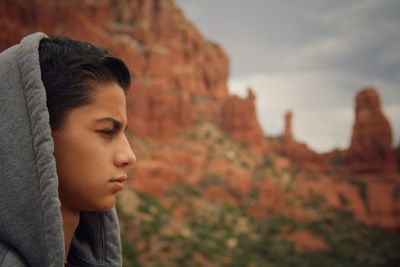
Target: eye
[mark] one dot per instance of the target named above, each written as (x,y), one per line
(107,132)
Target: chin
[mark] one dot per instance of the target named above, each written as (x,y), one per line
(103,205)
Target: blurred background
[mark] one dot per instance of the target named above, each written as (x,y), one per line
(311,57)
(267,132)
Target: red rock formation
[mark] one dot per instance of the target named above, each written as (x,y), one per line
(167,56)
(176,53)
(287,146)
(370,149)
(238,117)
(272,200)
(10,12)
(239,183)
(219,194)
(156,113)
(154,177)
(300,153)
(340,195)
(383,207)
(287,132)
(397,156)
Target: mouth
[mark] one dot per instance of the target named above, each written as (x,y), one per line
(118,183)
(120,179)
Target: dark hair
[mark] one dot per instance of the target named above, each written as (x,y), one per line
(71,69)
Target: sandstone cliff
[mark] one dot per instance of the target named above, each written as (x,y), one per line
(297,152)
(287,132)
(238,117)
(370,149)
(172,64)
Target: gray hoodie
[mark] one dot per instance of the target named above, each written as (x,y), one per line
(30,219)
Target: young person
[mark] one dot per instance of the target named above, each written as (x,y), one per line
(63,153)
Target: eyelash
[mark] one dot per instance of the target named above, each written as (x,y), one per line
(108,133)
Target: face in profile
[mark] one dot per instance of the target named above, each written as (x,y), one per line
(92,152)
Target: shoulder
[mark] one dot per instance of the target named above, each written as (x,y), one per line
(10,257)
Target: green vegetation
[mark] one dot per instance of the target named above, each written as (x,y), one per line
(220,234)
(191,225)
(211,179)
(343,199)
(315,201)
(201,100)
(183,190)
(264,167)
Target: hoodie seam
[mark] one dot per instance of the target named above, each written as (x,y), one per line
(103,239)
(36,157)
(38,119)
(3,254)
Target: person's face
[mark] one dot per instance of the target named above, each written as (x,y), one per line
(92,152)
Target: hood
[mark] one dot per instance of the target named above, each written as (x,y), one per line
(30,217)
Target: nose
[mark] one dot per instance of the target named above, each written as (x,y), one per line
(124,158)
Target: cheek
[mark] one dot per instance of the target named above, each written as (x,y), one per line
(76,155)
(83,167)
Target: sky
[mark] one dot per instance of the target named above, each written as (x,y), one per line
(310,57)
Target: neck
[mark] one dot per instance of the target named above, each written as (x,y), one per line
(70,223)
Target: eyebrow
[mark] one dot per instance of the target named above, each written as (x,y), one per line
(116,123)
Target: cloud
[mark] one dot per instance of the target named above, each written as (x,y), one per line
(359,36)
(192,10)
(323,50)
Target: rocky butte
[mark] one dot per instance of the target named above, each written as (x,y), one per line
(397,155)
(238,117)
(297,152)
(287,131)
(371,142)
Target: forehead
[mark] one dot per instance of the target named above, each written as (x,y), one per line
(107,100)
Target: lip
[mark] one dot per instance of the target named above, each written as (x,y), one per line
(119,182)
